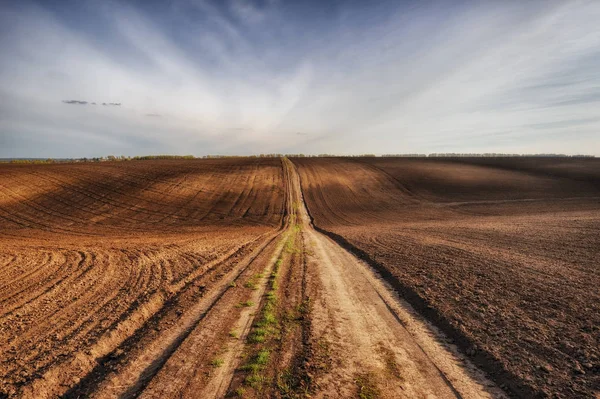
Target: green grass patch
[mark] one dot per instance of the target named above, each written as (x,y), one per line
(366,387)
(246,304)
(256,381)
(217,362)
(266,326)
(292,385)
(264,329)
(289,246)
(256,364)
(272,296)
(275,271)
(268,319)
(258,335)
(252,283)
(262,357)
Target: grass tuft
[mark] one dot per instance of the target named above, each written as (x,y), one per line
(255,379)
(366,387)
(246,304)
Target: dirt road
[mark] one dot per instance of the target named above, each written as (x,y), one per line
(363,339)
(376,344)
(290,314)
(501,254)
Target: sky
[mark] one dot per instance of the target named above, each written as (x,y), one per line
(235,77)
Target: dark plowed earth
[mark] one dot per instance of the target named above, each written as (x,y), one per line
(501,253)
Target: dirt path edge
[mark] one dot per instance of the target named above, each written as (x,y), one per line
(489,364)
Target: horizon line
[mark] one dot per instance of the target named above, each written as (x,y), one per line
(117,158)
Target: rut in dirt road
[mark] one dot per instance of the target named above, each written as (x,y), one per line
(370,341)
(198,356)
(198,353)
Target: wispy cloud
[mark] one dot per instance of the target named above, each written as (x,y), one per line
(80,102)
(300,77)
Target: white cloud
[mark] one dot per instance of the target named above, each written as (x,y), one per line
(483,77)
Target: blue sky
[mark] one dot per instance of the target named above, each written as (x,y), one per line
(241,77)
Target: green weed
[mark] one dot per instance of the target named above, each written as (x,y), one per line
(246,304)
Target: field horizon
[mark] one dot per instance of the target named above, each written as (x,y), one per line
(286,277)
(204,199)
(108,158)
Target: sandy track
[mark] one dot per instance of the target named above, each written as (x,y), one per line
(501,254)
(375,342)
(364,326)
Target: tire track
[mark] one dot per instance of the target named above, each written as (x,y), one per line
(375,338)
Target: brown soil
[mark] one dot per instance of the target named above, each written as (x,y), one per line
(502,254)
(208,278)
(95,258)
(374,340)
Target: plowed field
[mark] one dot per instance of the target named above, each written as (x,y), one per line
(90,254)
(502,254)
(263,277)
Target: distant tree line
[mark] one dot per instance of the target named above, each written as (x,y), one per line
(117,158)
(153,157)
(32,161)
(328,155)
(441,155)
(404,155)
(501,155)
